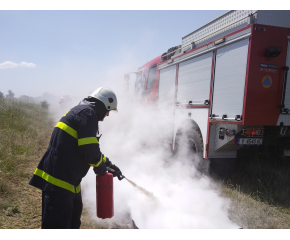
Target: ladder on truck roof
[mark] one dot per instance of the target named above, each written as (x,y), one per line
(232,21)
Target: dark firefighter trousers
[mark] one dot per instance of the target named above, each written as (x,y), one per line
(61,212)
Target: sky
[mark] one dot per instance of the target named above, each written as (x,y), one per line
(74,52)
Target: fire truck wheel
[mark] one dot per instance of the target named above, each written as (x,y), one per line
(191,139)
(195,142)
(196,146)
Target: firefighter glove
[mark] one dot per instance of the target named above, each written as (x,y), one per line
(100,169)
(115,171)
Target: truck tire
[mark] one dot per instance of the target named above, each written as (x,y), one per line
(193,140)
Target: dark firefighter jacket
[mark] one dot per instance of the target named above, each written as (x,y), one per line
(73,148)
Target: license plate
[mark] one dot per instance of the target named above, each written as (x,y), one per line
(250,141)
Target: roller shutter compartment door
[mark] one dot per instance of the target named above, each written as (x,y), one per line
(287,93)
(194,77)
(167,86)
(230,76)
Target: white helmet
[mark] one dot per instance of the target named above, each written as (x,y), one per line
(107,96)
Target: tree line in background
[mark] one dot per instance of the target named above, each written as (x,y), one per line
(23,98)
(9,96)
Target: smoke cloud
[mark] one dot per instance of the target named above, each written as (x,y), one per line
(137,139)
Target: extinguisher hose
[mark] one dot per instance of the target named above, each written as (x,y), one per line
(144,191)
(147,193)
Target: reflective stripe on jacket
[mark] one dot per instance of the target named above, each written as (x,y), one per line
(73,148)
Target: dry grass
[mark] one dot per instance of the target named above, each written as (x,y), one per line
(253,214)
(260,193)
(24,135)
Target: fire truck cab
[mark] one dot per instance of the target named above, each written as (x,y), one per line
(229,79)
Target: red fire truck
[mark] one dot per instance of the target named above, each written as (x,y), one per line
(229,80)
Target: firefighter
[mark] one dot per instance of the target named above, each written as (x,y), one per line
(72,150)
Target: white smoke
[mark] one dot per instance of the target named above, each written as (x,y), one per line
(137,140)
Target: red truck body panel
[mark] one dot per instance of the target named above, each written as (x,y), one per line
(261,102)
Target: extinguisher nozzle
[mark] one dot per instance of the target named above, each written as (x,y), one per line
(120,177)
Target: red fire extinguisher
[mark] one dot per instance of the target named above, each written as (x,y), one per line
(105,197)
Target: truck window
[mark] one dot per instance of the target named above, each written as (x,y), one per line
(151,77)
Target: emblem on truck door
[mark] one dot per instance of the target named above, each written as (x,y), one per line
(267,81)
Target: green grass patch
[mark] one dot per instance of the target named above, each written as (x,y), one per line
(15,208)
(23,132)
(21,127)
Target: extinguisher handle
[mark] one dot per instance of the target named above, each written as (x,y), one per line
(120,177)
(110,169)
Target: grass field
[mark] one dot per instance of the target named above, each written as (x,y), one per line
(259,190)
(24,134)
